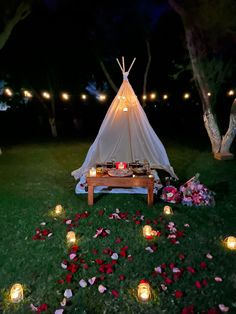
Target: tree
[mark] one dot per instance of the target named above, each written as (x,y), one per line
(210,32)
(12,12)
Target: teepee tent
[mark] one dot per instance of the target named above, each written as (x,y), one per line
(126,134)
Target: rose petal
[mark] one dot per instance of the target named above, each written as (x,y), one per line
(218,279)
(91,280)
(149,249)
(63,302)
(115,293)
(33,308)
(43,223)
(163,287)
(176,270)
(158,269)
(114,256)
(64,266)
(72,256)
(223,308)
(101,288)
(82,283)
(209,256)
(68,222)
(68,293)
(59,311)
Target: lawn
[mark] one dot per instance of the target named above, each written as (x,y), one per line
(197,274)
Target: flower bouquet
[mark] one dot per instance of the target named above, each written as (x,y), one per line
(196,194)
(170,193)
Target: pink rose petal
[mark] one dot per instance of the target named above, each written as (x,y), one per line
(223,308)
(101,288)
(218,279)
(72,256)
(92,280)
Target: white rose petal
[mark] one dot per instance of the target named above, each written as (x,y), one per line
(82,283)
(163,287)
(114,256)
(117,210)
(63,302)
(101,288)
(108,231)
(209,256)
(142,217)
(69,221)
(176,270)
(50,234)
(43,223)
(64,266)
(68,293)
(149,249)
(60,311)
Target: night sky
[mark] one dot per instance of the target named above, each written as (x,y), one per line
(61,42)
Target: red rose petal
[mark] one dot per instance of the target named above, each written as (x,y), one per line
(203,265)
(198,284)
(115,293)
(178,294)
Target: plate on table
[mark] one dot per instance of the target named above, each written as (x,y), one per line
(120,173)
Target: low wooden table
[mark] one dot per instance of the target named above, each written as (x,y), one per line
(138,181)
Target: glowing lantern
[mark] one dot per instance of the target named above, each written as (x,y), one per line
(16,293)
(168,210)
(121,165)
(92,172)
(144,291)
(230,243)
(58,209)
(147,231)
(70,237)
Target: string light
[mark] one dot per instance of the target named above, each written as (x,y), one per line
(8,92)
(153,96)
(27,94)
(230,92)
(209,94)
(186,96)
(144,97)
(46,95)
(65,96)
(165,96)
(102,97)
(83,96)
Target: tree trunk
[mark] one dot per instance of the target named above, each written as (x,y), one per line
(229,136)
(22,11)
(110,81)
(53,126)
(146,71)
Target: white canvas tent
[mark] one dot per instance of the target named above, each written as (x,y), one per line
(126,134)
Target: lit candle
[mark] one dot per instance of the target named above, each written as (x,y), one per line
(231,243)
(147,231)
(144,291)
(16,293)
(58,209)
(70,237)
(121,165)
(168,210)
(92,172)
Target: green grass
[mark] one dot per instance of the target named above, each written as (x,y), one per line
(35,177)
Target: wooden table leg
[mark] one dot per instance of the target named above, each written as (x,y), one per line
(90,194)
(150,195)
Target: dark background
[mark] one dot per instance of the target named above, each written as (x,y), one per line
(59,46)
